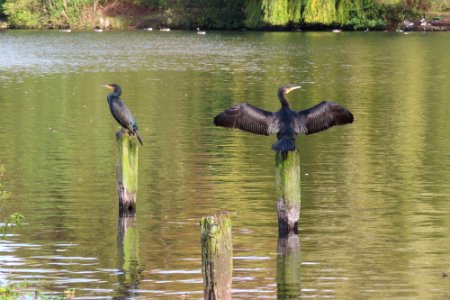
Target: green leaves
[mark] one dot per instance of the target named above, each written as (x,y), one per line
(14,219)
(223,14)
(23,13)
(3,194)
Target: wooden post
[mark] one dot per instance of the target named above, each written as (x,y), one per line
(217,256)
(127,172)
(288,195)
(288,267)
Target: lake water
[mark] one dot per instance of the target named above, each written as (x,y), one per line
(375,219)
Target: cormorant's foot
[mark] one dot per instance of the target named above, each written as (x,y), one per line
(120,133)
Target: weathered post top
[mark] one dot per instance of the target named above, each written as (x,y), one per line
(217,256)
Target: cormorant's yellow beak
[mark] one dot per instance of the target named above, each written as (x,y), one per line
(291,88)
(108,86)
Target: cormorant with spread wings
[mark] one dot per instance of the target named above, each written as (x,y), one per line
(285,123)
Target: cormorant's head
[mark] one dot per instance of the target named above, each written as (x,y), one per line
(114,87)
(287,89)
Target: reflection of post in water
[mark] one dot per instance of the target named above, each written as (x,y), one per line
(128,254)
(217,256)
(288,267)
(127,172)
(287,182)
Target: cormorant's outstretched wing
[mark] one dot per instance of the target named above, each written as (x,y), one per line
(249,118)
(323,116)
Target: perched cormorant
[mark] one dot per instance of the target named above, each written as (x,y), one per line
(286,123)
(120,112)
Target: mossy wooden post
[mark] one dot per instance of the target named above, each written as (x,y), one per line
(217,256)
(127,172)
(288,191)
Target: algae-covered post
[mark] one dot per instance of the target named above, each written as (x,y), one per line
(127,172)
(217,256)
(288,194)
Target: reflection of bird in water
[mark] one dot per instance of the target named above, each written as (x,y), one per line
(120,112)
(286,123)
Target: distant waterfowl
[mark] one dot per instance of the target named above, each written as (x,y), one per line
(336,30)
(200,31)
(285,123)
(423,22)
(98,29)
(121,112)
(164,29)
(148,28)
(65,30)
(408,24)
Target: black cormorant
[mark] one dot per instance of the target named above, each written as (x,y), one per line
(286,123)
(120,112)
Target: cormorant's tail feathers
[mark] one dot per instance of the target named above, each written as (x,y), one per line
(284,145)
(139,137)
(136,131)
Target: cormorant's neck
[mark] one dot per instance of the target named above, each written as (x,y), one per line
(283,100)
(112,96)
(117,92)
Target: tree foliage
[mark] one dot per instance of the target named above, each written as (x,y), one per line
(43,14)
(275,12)
(356,14)
(224,14)
(23,13)
(320,12)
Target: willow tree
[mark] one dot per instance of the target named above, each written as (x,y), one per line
(320,12)
(253,14)
(275,12)
(295,11)
(261,13)
(343,8)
